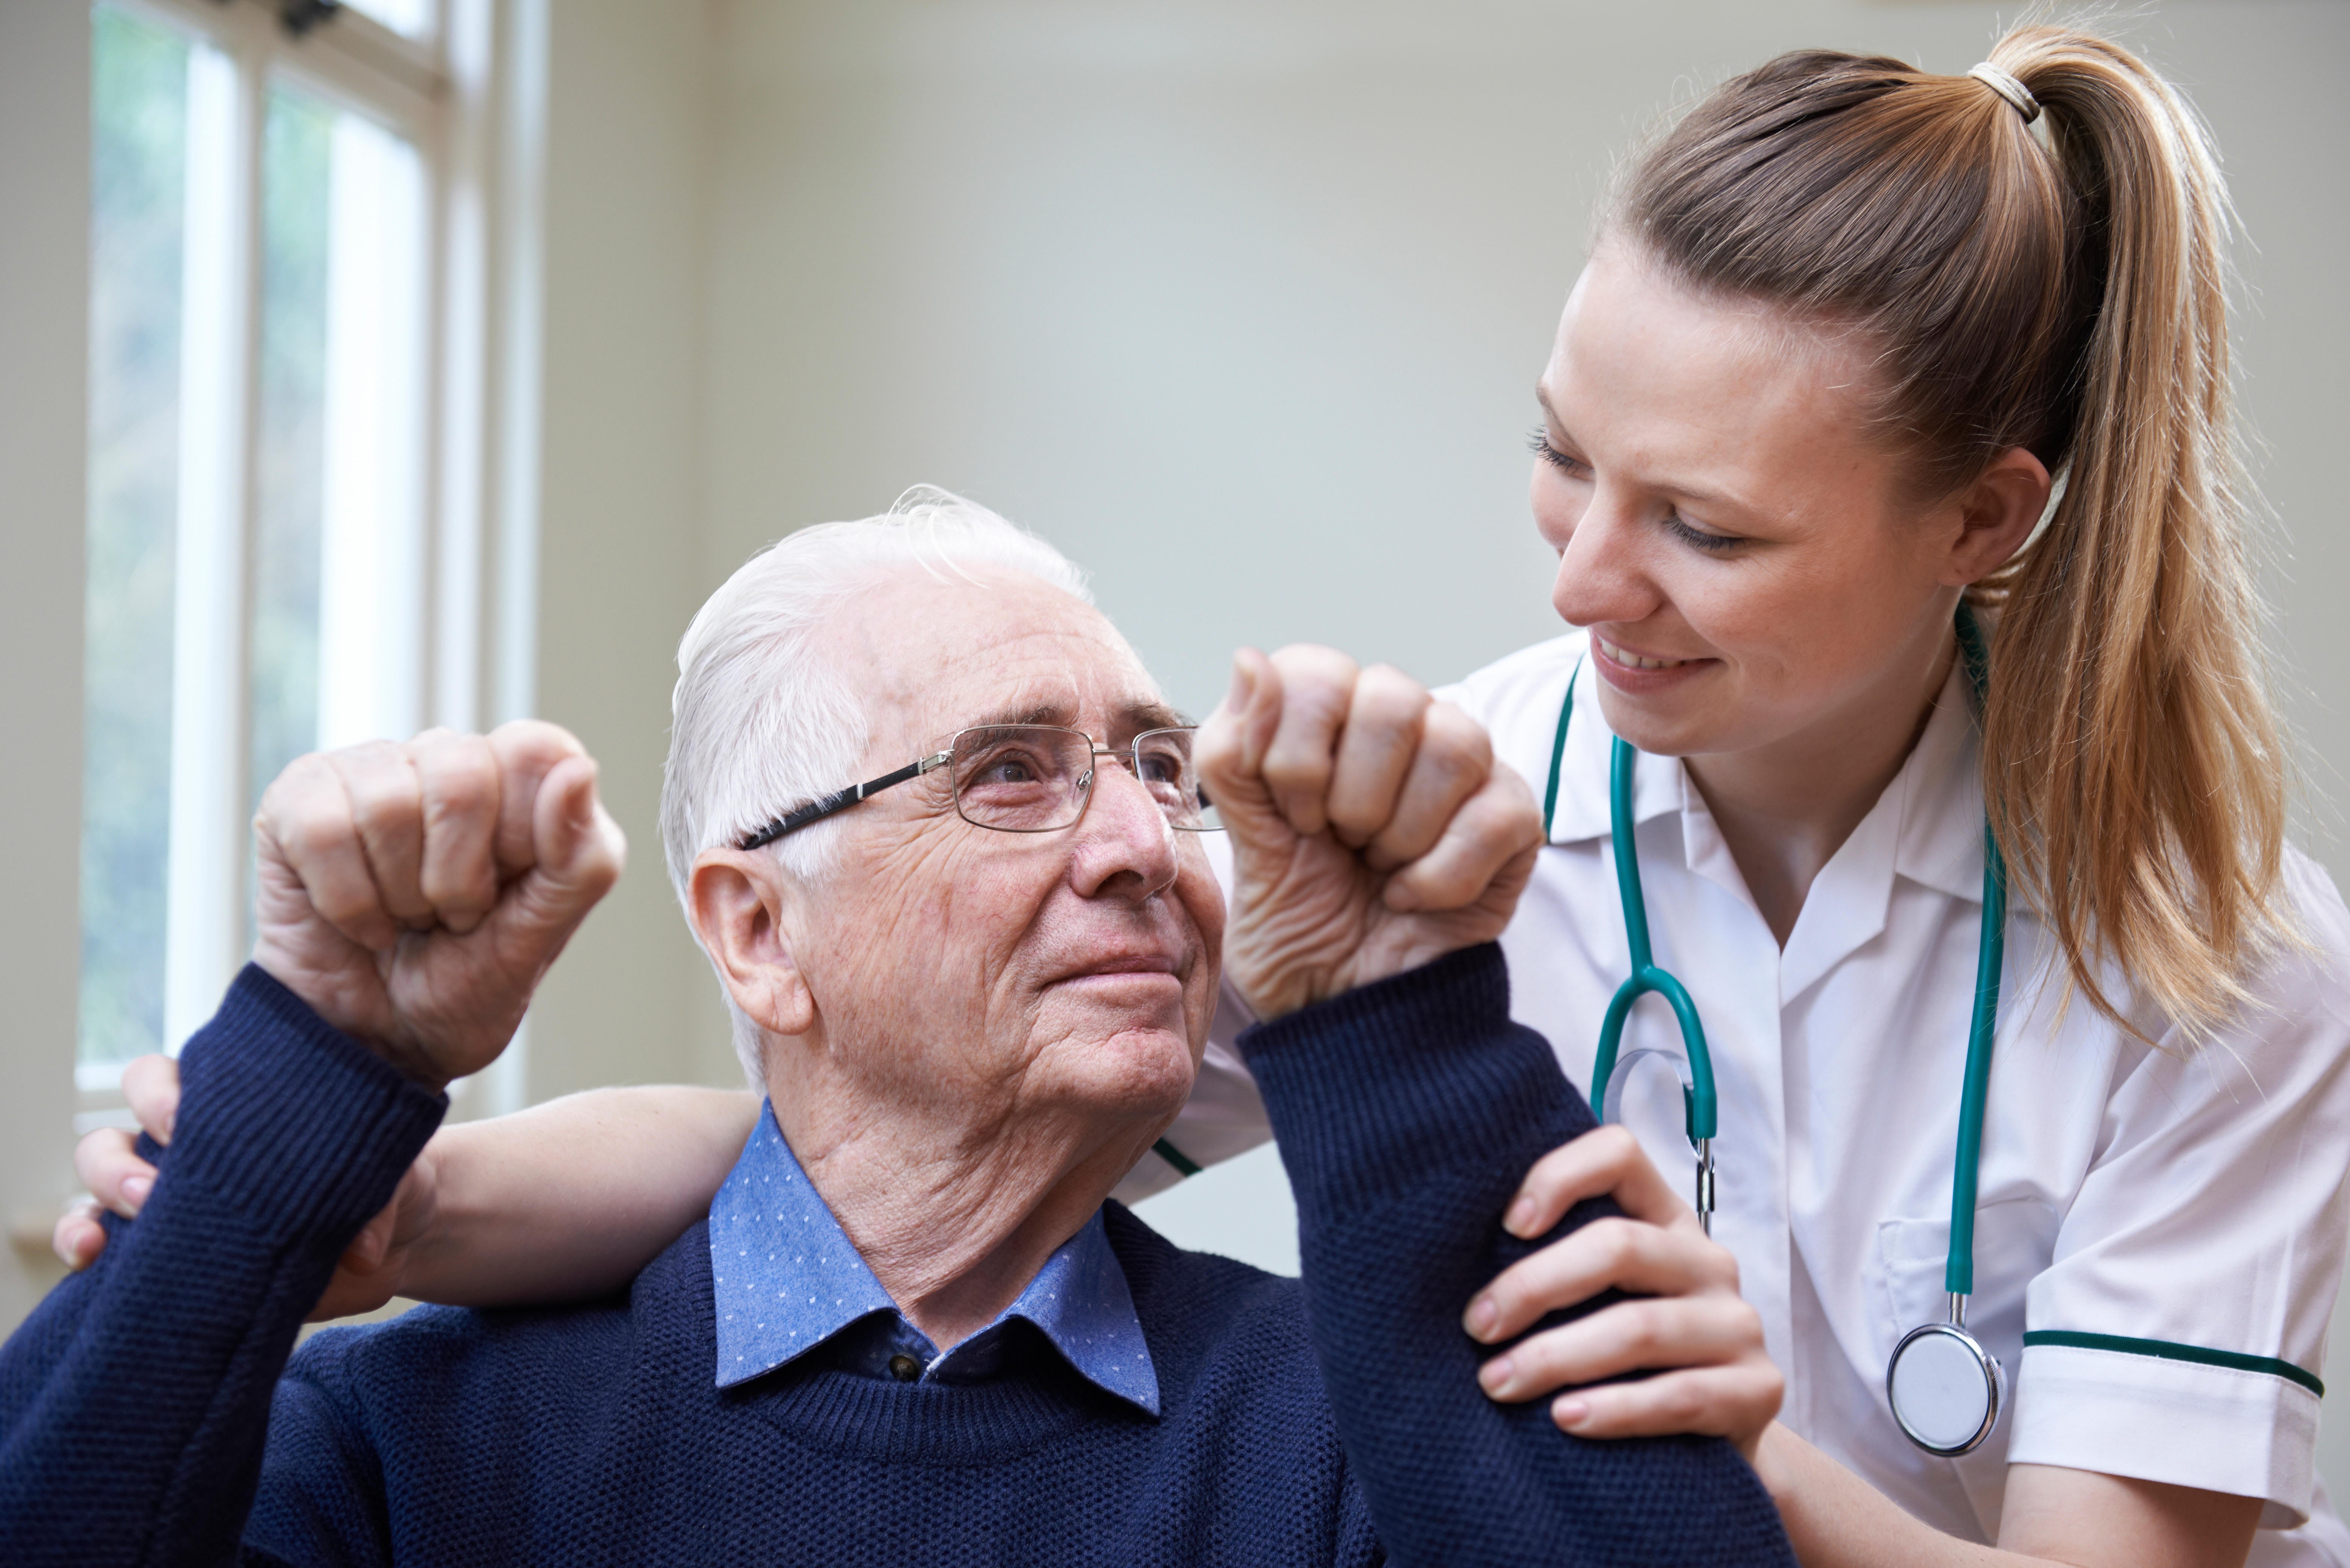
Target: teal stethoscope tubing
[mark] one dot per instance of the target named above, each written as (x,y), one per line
(1700,1104)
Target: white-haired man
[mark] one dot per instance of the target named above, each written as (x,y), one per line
(939,835)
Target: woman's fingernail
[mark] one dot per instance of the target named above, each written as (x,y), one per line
(135,1189)
(1521,1216)
(1569,1413)
(1495,1377)
(1483,1314)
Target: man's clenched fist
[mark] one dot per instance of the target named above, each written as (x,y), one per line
(414,894)
(1372,829)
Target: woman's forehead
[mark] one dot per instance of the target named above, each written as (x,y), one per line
(1699,392)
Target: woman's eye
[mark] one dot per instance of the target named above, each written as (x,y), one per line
(1538,443)
(1699,538)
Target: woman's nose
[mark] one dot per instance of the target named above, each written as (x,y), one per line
(1602,573)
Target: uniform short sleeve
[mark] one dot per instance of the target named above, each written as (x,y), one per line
(2177,1332)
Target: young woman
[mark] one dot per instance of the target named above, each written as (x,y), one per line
(1849,327)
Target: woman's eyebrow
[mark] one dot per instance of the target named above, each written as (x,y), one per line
(1673,486)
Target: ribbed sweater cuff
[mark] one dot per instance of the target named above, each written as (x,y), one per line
(289,1121)
(1373,1091)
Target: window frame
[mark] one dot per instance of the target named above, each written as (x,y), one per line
(467,96)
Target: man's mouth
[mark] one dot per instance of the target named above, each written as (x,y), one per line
(1122,965)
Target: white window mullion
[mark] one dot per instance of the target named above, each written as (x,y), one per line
(218,392)
(371,656)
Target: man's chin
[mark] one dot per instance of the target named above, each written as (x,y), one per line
(1140,1069)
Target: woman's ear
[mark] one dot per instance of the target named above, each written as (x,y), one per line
(1996,514)
(739,903)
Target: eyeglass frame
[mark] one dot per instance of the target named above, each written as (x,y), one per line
(841,799)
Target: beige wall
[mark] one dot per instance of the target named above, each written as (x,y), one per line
(45,264)
(622,483)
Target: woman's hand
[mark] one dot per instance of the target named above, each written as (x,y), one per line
(1706,1343)
(109,1164)
(494,1213)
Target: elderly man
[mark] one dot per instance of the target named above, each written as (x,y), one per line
(940,838)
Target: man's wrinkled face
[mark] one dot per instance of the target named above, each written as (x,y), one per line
(993,975)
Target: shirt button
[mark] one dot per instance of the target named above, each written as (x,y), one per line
(904,1368)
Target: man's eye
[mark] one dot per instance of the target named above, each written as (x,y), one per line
(1006,771)
(1162,767)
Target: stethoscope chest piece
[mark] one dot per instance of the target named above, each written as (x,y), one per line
(1945,1389)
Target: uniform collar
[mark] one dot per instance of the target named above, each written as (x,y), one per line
(786,1278)
(1934,801)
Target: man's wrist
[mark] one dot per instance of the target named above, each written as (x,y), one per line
(291,1120)
(329,997)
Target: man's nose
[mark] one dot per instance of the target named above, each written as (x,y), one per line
(1602,571)
(1124,833)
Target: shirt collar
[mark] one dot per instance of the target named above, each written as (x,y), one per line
(1937,797)
(786,1278)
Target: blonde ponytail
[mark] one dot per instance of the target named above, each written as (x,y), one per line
(2131,755)
(2069,299)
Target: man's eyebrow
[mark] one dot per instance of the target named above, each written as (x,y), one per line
(1142,716)
(1133,717)
(1055,713)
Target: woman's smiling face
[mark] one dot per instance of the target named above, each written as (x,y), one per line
(1735,540)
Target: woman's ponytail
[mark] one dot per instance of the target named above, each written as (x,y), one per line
(2131,755)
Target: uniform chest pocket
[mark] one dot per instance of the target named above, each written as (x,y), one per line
(2014,1240)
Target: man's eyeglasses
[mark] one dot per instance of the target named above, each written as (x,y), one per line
(1029,778)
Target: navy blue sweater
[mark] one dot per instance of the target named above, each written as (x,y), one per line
(149,1414)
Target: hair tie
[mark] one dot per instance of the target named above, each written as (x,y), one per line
(2008,88)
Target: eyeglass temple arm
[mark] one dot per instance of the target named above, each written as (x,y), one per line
(840,799)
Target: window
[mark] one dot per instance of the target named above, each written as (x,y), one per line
(289,342)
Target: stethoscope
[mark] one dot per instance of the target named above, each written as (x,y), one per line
(1945,1389)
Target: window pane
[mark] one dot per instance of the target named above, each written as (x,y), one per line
(137,177)
(339,564)
(297,134)
(414,17)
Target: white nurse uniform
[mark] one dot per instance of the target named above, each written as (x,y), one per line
(2159,1234)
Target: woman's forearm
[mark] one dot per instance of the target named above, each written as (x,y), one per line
(2076,1517)
(567,1200)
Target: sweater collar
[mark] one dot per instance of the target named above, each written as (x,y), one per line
(787,1278)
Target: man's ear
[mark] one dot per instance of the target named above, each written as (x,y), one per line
(1996,514)
(740,903)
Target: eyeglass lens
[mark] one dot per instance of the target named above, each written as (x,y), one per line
(1032,778)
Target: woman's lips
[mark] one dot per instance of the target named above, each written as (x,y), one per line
(1632,661)
(1641,674)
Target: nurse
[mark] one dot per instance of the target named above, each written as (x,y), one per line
(1847,329)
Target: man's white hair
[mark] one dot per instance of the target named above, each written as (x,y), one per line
(761,722)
